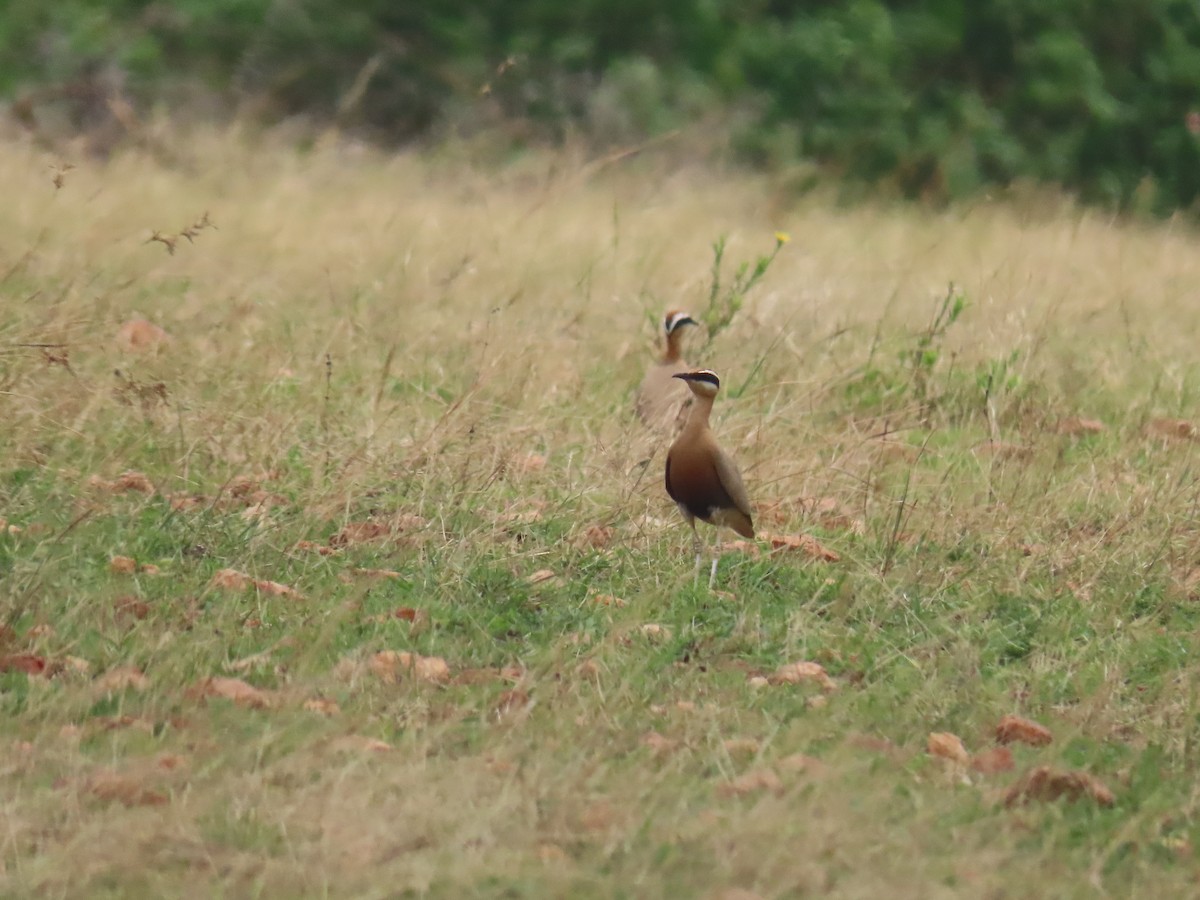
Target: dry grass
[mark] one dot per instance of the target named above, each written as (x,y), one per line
(450,351)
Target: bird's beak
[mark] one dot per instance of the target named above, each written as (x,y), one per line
(683,376)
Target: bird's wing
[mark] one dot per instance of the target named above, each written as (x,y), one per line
(731,480)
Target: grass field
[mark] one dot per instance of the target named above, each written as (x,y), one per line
(393,416)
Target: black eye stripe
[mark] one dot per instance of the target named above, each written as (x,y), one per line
(675,320)
(706,376)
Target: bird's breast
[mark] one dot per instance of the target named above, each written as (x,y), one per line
(692,479)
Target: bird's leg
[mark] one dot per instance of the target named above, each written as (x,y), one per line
(696,545)
(716,552)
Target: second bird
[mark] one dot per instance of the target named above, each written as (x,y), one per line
(701,477)
(660,397)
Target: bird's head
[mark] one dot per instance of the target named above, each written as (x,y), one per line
(703,382)
(675,320)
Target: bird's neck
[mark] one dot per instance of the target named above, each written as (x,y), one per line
(673,351)
(697,420)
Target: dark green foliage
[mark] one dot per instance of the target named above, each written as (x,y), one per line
(935,99)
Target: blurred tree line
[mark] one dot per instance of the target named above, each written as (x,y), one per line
(937,98)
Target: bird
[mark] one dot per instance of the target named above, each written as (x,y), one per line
(701,478)
(660,399)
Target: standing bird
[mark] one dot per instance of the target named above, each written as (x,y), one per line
(660,398)
(701,477)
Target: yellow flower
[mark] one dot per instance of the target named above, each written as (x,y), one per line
(782,237)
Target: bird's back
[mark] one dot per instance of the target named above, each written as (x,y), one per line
(661,396)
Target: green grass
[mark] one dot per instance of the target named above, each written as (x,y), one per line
(484,330)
